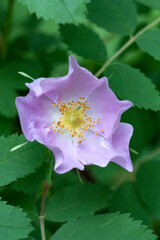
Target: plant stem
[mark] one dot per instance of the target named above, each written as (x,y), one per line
(42,216)
(126,45)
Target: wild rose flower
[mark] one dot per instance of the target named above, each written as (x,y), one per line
(78,118)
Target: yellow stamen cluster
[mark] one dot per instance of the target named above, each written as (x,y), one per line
(74,119)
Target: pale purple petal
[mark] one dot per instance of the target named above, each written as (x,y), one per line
(120,141)
(36,116)
(62,146)
(105,105)
(35,113)
(99,151)
(93,151)
(78,83)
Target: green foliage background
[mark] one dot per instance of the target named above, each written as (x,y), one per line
(36,37)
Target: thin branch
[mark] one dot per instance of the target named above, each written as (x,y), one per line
(41,217)
(125,46)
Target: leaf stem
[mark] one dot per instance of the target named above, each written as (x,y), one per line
(42,216)
(126,45)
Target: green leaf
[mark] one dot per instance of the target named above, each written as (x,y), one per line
(20,162)
(22,200)
(62,11)
(150,42)
(150,3)
(84,42)
(11,81)
(30,238)
(69,179)
(104,227)
(13,223)
(117,16)
(129,83)
(148,178)
(78,200)
(106,175)
(31,184)
(127,200)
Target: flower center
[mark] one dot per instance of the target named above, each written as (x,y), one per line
(74,119)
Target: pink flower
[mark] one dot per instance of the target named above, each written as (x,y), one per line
(78,118)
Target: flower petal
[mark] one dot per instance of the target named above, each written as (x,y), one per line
(35,113)
(97,150)
(105,105)
(62,146)
(120,141)
(78,83)
(93,151)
